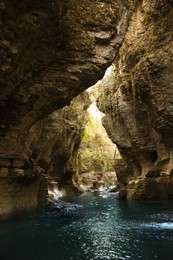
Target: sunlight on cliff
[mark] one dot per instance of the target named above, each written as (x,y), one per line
(94,112)
(97,153)
(93,92)
(108,71)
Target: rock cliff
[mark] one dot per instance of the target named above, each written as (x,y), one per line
(139,101)
(53,50)
(50,52)
(54,141)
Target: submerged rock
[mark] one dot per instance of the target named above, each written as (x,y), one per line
(113,189)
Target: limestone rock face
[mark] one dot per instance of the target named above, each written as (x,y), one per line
(50,51)
(20,194)
(54,141)
(151,188)
(139,107)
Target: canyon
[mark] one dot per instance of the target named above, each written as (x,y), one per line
(51,51)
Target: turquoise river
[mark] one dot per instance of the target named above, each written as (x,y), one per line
(92,226)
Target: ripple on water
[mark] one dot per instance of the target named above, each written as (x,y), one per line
(91,227)
(165,225)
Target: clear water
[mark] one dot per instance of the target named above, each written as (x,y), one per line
(91,227)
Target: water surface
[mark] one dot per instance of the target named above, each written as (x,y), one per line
(91,227)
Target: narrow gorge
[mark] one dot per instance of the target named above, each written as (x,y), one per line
(51,52)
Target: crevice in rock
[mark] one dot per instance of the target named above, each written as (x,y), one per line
(137,118)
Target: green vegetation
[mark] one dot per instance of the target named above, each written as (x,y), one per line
(96,152)
(146,17)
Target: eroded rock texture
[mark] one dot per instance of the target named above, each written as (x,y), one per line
(139,107)
(21,194)
(50,52)
(54,141)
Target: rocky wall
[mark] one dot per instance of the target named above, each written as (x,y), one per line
(22,187)
(138,98)
(53,142)
(50,51)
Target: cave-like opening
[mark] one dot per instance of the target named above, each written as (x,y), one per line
(89,154)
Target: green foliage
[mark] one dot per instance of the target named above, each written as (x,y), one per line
(96,152)
(146,17)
